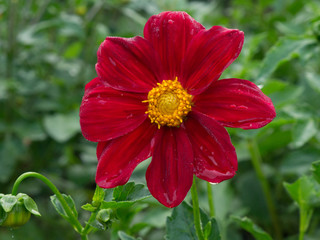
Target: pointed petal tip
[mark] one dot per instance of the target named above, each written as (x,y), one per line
(103,182)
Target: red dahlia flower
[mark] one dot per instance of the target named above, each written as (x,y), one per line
(160,96)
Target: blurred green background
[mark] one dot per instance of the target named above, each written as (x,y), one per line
(47,55)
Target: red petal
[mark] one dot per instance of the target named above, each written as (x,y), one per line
(101,146)
(129,64)
(106,113)
(170,34)
(215,158)
(169,176)
(122,155)
(236,103)
(209,54)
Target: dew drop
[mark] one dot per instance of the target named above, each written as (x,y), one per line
(213,183)
(12,233)
(243,107)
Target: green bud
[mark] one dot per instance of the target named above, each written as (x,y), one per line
(104,215)
(17,217)
(15,211)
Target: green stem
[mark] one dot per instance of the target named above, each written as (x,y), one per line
(196,210)
(257,164)
(210,200)
(84,237)
(88,228)
(301,227)
(55,190)
(305,217)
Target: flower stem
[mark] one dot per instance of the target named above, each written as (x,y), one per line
(301,227)
(305,217)
(196,210)
(210,200)
(55,190)
(257,164)
(88,228)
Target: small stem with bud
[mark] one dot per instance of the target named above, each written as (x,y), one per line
(74,220)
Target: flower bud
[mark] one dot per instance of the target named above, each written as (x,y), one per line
(17,217)
(15,211)
(104,215)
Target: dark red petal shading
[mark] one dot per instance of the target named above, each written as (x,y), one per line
(129,64)
(170,34)
(208,55)
(169,176)
(215,158)
(236,103)
(106,113)
(120,157)
(101,146)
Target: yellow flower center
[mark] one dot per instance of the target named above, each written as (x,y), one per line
(169,103)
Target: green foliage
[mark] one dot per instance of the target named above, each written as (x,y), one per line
(248,225)
(282,51)
(59,208)
(180,225)
(61,127)
(124,236)
(48,52)
(305,192)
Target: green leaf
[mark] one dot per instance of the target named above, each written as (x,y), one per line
(126,196)
(7,202)
(61,127)
(305,191)
(282,51)
(316,170)
(211,230)
(98,196)
(99,225)
(302,131)
(131,192)
(248,225)
(123,236)
(180,225)
(313,80)
(115,205)
(89,207)
(31,206)
(57,205)
(108,194)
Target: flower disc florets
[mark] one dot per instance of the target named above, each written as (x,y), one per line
(169,103)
